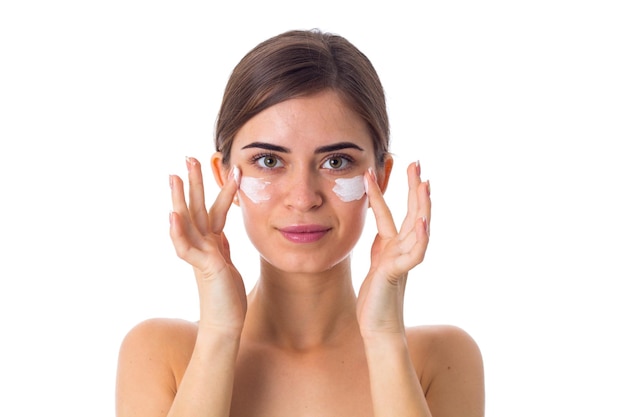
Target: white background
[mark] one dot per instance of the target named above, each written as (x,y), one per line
(516,110)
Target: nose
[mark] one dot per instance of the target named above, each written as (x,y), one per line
(303,190)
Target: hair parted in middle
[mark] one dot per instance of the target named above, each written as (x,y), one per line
(296,64)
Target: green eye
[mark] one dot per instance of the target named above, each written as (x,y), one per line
(337,162)
(270,161)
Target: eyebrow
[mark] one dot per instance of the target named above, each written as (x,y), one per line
(322,149)
(267,146)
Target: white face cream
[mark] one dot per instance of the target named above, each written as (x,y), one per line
(349,189)
(255,189)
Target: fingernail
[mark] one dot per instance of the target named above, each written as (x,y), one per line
(188,162)
(428,187)
(426,227)
(419,167)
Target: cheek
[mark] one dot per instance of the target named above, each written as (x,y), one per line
(257,190)
(254,193)
(349,189)
(353,223)
(256,220)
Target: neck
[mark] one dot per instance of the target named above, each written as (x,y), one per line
(302,311)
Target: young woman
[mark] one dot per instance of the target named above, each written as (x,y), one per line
(302,148)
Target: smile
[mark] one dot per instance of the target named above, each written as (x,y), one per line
(304,233)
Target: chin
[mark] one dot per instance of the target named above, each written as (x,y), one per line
(306,263)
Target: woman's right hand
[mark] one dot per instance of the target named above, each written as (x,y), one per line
(199,239)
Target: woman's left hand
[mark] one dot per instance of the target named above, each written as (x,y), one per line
(394,254)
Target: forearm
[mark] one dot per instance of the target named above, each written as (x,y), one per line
(395,388)
(206,388)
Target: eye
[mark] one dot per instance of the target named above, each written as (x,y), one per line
(337,162)
(268,161)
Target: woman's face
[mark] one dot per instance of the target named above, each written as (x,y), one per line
(301,194)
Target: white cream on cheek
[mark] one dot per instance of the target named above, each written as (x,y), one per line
(255,189)
(349,189)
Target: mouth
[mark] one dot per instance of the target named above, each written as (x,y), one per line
(308,233)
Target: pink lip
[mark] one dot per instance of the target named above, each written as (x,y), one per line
(304,233)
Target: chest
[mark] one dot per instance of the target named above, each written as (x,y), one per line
(322,384)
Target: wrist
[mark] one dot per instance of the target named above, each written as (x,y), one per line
(383,330)
(209,332)
(384,341)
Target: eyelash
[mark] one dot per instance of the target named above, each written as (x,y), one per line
(348,160)
(256,158)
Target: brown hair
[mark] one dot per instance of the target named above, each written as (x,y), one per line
(296,64)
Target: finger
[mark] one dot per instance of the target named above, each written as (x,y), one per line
(414,212)
(418,201)
(414,180)
(219,209)
(382,214)
(425,204)
(417,236)
(418,251)
(179,206)
(197,207)
(412,249)
(226,249)
(198,257)
(409,260)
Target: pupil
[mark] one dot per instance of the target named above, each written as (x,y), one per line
(269,161)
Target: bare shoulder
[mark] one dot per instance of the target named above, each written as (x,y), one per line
(450,367)
(152,360)
(442,341)
(165,341)
(153,332)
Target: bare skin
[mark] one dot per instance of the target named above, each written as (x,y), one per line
(323,381)
(301,342)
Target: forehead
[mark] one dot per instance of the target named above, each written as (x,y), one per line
(306,122)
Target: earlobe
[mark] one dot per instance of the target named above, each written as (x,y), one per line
(220,173)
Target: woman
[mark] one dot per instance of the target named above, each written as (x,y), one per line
(302,148)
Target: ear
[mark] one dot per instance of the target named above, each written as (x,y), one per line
(383,174)
(220,171)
